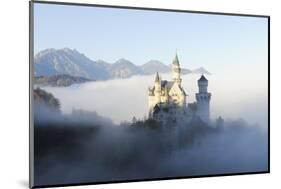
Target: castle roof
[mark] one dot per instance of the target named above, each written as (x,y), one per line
(167,84)
(157,78)
(160,107)
(156,109)
(176,60)
(202,78)
(164,84)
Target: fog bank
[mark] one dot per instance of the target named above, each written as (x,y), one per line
(234,95)
(97,151)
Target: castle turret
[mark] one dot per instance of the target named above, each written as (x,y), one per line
(176,70)
(157,86)
(154,94)
(157,83)
(220,123)
(203,100)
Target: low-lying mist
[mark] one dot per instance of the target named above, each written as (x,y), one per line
(86,147)
(234,96)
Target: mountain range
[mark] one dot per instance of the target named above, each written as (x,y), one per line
(70,62)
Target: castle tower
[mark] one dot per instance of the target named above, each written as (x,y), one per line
(176,70)
(203,100)
(165,95)
(154,94)
(157,85)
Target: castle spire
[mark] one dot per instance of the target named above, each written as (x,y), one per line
(176,60)
(157,78)
(176,69)
(202,78)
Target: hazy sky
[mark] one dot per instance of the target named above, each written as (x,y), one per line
(215,42)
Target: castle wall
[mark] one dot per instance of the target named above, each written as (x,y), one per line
(153,100)
(203,111)
(177,96)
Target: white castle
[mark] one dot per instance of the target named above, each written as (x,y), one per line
(167,99)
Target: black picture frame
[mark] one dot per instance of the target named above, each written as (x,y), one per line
(31,61)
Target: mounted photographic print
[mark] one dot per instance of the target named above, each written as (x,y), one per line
(121,94)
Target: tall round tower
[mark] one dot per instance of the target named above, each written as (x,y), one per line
(203,100)
(176,70)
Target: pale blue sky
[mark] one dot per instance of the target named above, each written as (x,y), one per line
(215,42)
